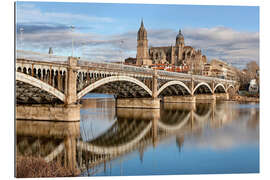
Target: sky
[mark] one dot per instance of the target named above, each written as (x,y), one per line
(108,32)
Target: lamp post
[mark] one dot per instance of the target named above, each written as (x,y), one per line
(21,36)
(72,30)
(83,46)
(121,43)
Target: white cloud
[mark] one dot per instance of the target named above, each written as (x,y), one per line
(27,13)
(223,43)
(242,130)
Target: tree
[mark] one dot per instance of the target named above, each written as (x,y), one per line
(252,68)
(248,74)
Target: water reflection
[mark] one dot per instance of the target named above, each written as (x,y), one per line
(49,140)
(107,136)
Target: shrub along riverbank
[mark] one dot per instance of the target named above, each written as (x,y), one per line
(29,167)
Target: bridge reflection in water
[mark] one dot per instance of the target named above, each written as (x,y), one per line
(76,146)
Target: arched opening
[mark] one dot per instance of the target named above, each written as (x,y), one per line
(35,72)
(56,79)
(24,70)
(220,89)
(231,91)
(120,86)
(30,71)
(48,76)
(202,88)
(43,74)
(39,74)
(40,91)
(174,88)
(64,81)
(52,78)
(19,69)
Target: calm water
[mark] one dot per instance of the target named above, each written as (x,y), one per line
(183,138)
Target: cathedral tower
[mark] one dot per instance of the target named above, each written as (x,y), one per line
(179,44)
(180,41)
(142,47)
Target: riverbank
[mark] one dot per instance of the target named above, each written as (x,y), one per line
(239,98)
(33,167)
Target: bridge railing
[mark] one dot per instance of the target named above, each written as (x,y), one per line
(114,66)
(130,68)
(29,55)
(196,77)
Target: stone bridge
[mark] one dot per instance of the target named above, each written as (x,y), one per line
(43,78)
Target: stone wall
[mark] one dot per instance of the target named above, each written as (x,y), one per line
(147,103)
(48,112)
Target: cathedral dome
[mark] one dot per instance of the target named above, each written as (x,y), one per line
(180,35)
(180,39)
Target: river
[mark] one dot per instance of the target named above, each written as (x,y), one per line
(180,138)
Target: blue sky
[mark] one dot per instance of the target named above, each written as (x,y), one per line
(230,33)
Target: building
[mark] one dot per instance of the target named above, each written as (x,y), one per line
(142,57)
(177,55)
(130,61)
(178,58)
(220,69)
(207,71)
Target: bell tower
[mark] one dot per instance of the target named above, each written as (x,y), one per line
(179,44)
(142,47)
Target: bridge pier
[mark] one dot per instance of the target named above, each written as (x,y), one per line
(48,113)
(70,153)
(71,93)
(178,99)
(154,129)
(144,103)
(222,96)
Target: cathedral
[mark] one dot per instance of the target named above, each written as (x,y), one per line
(177,55)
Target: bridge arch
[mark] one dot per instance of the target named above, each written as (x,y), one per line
(113,150)
(112,79)
(230,86)
(174,127)
(202,84)
(40,84)
(171,83)
(220,85)
(203,118)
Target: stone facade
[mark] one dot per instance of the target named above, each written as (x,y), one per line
(174,55)
(48,112)
(220,69)
(142,47)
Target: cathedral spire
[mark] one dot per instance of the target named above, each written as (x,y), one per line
(142,23)
(142,33)
(142,47)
